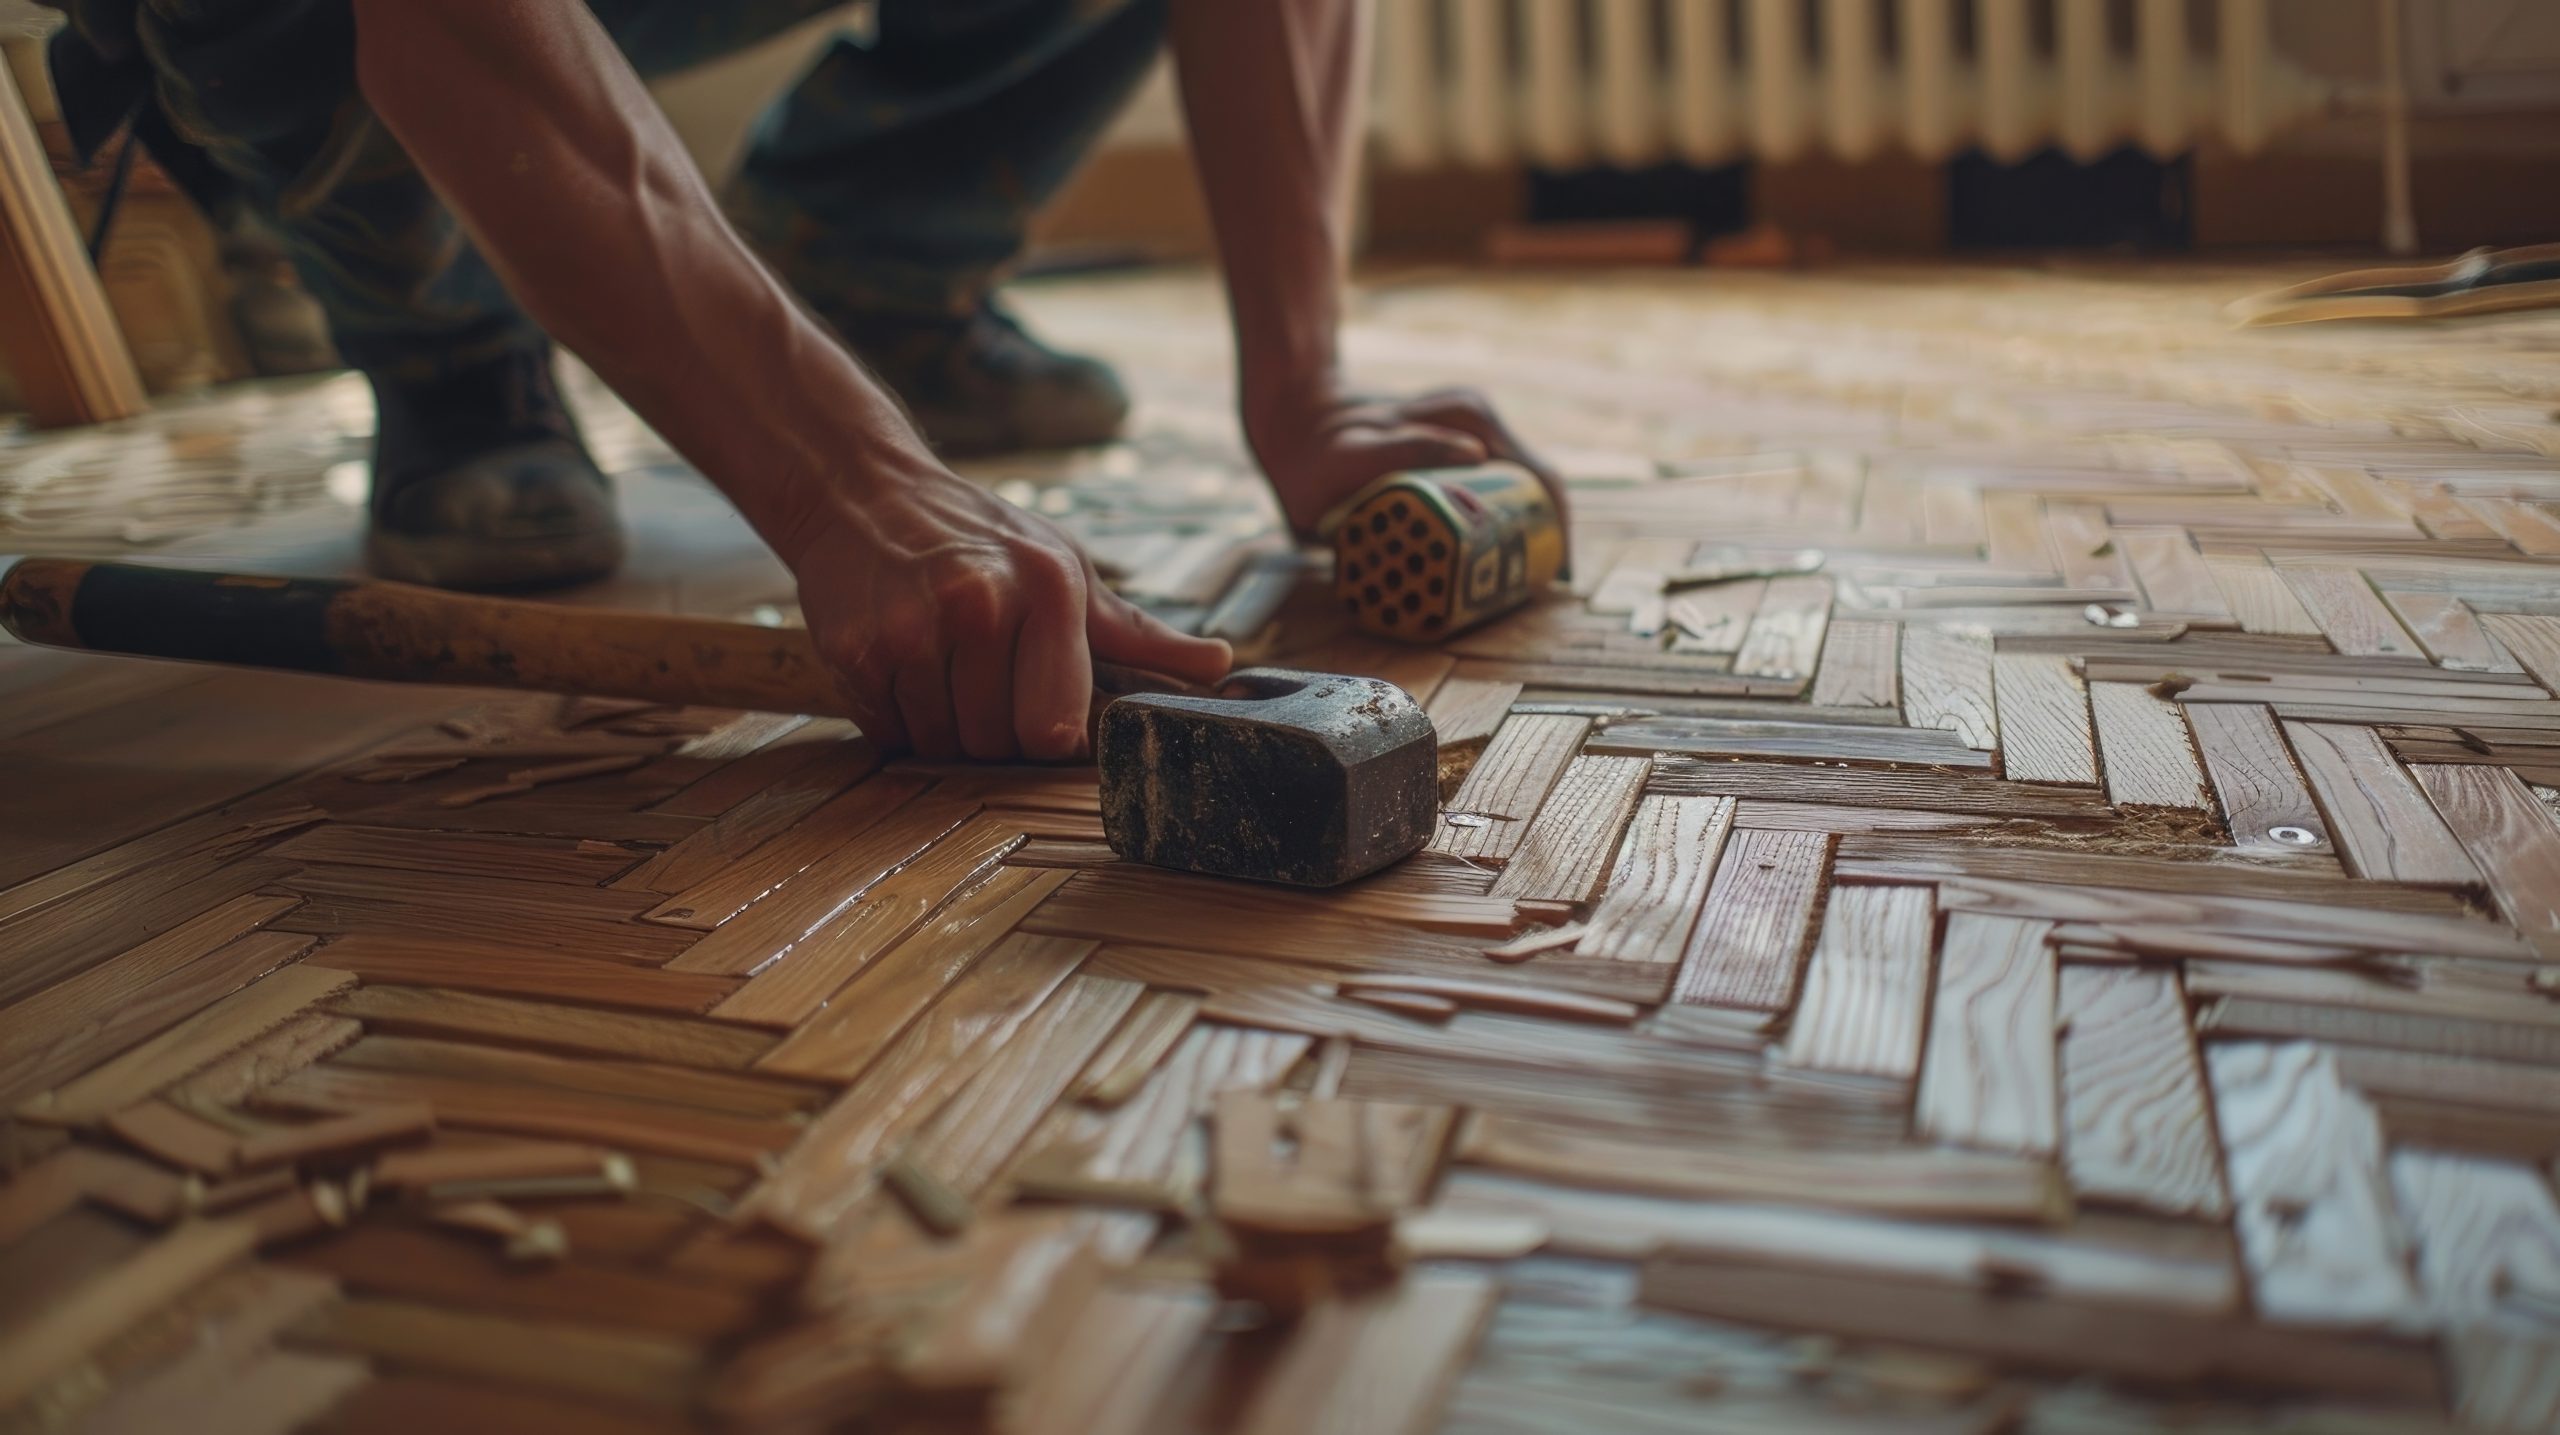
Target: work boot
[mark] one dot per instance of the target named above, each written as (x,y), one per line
(481,482)
(981,385)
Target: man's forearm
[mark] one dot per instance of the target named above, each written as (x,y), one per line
(535,130)
(1270,93)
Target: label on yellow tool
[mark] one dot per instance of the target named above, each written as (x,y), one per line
(1423,555)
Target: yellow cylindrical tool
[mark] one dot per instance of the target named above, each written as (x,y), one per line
(1423,555)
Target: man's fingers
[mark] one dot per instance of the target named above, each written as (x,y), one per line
(1053,673)
(982,698)
(1408,446)
(876,717)
(1124,633)
(924,701)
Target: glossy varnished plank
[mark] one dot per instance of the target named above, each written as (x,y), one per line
(1988,1078)
(2263,799)
(2379,818)
(425,962)
(557,1026)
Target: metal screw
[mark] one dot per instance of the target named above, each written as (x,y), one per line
(2295,836)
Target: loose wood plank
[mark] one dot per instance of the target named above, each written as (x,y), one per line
(1660,883)
(2149,760)
(1859,667)
(1506,786)
(1866,992)
(1568,846)
(2133,1094)
(2350,616)
(2261,793)
(2305,1160)
(1988,1078)
(2380,819)
(1870,787)
(1748,948)
(2510,836)
(556,1026)
(218,1030)
(2043,720)
(402,1262)
(1947,683)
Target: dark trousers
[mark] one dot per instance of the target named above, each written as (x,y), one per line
(897,176)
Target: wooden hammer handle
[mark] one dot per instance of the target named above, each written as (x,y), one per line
(397,632)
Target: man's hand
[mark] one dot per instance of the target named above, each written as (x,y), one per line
(1319,451)
(963,626)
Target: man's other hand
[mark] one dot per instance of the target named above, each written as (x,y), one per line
(1320,450)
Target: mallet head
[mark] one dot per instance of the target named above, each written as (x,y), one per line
(1311,779)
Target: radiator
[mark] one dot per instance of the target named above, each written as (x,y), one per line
(1568,83)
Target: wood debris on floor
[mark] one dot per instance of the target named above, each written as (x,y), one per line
(2020,890)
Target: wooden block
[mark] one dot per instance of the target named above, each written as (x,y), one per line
(2305,1161)
(1988,1078)
(1918,1182)
(2136,1127)
(2043,720)
(1785,636)
(2450,1080)
(803,974)
(97,1310)
(1866,992)
(1859,667)
(1748,948)
(2515,842)
(620,1367)
(179,1138)
(2263,799)
(1466,711)
(1507,785)
(2350,616)
(1570,843)
(2132,1342)
(735,1093)
(555,1026)
(2257,597)
(2380,819)
(2149,760)
(849,818)
(842,1040)
(1377,1363)
(2533,640)
(1947,683)
(1288,1166)
(218,1030)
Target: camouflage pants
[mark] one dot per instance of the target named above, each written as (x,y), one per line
(896,176)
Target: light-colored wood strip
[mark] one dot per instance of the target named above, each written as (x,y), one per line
(1866,991)
(96,1310)
(843,1039)
(1786,634)
(218,1030)
(2514,841)
(973,1136)
(509,1105)
(2014,534)
(2451,1080)
(1947,683)
(2264,801)
(2257,597)
(2136,1127)
(2350,616)
(556,1026)
(2379,817)
(2174,577)
(1506,786)
(740,830)
(1151,1032)
(1466,711)
(1714,618)
(2486,1235)
(799,979)
(780,861)
(1930,1183)
(2450,632)
(1951,515)
(2304,1155)
(1860,667)
(1660,883)
(1378,1362)
(1748,948)
(1568,846)
(2043,719)
(1116,1361)
(2533,639)
(734,1093)
(54,942)
(1988,1078)
(1896,789)
(2149,760)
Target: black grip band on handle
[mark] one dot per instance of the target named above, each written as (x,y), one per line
(207,617)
